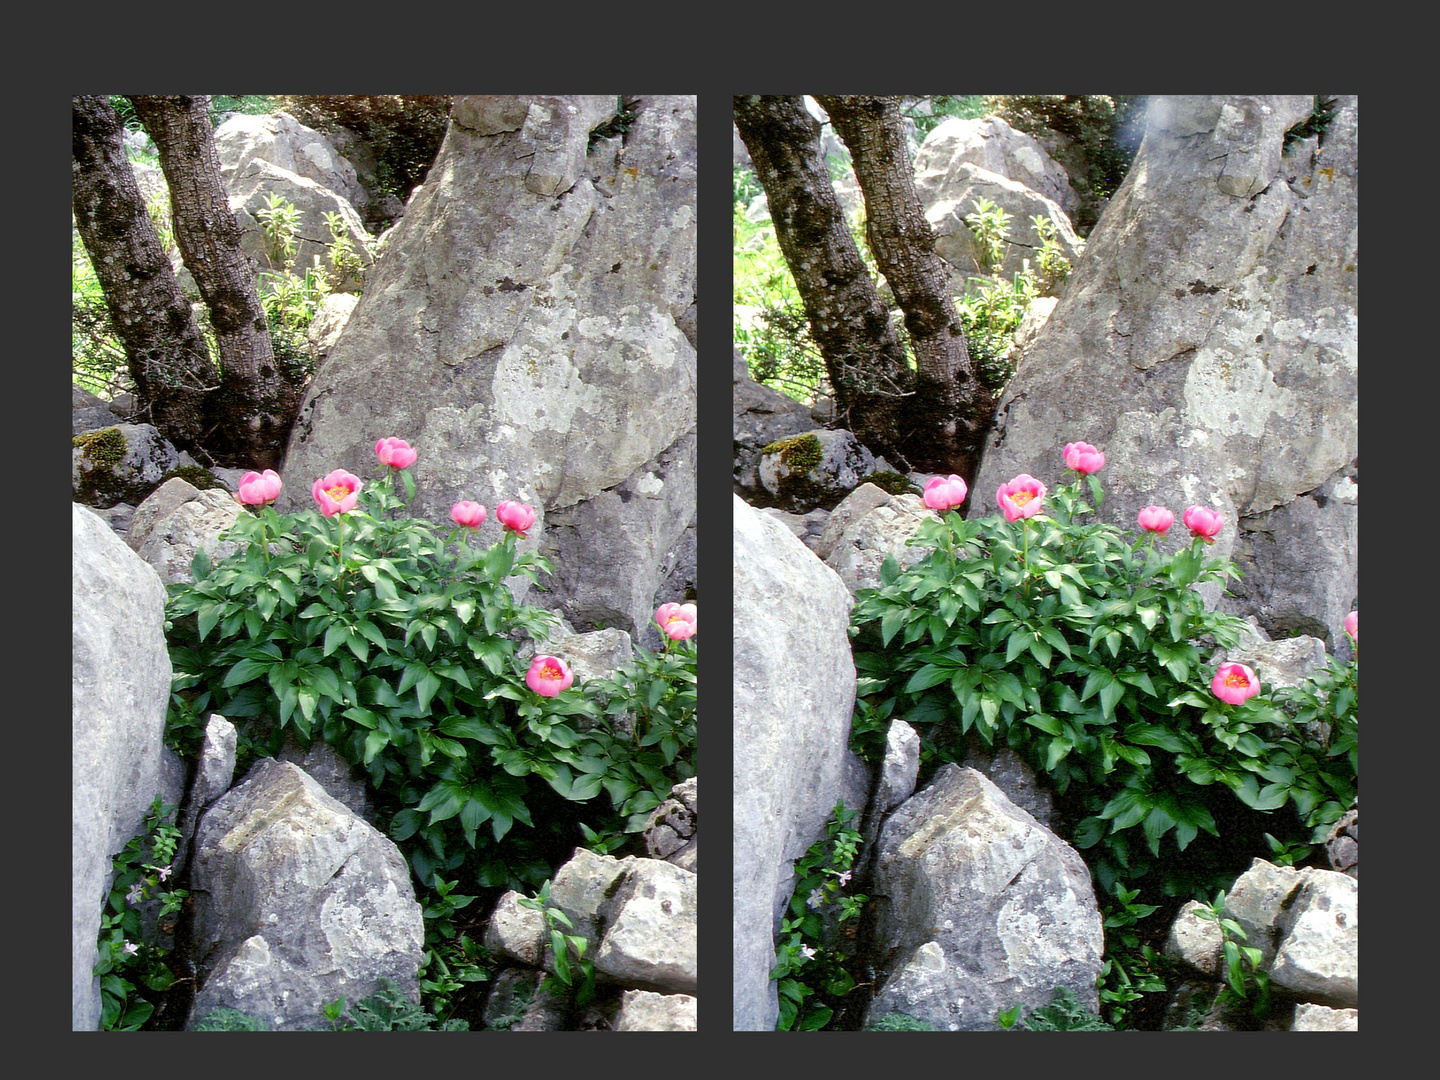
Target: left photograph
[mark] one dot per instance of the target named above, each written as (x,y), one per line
(384,563)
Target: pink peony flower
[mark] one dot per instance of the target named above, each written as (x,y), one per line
(337,493)
(1082,457)
(1020,498)
(548,676)
(1352,625)
(257,489)
(1234,683)
(676,621)
(1156,519)
(1203,523)
(467,513)
(943,493)
(395,452)
(517,517)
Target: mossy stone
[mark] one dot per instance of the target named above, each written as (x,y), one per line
(101,451)
(196,476)
(892,483)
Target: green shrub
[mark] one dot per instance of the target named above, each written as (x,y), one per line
(1092,657)
(373,632)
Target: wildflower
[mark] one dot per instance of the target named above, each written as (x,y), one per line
(130,948)
(165,872)
(807,952)
(1203,523)
(1083,458)
(1235,683)
(1352,625)
(337,493)
(817,897)
(945,493)
(548,676)
(467,513)
(257,489)
(135,895)
(1021,497)
(1156,519)
(395,452)
(676,621)
(517,517)
(844,877)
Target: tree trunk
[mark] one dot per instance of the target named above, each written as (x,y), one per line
(849,322)
(168,359)
(950,402)
(258,400)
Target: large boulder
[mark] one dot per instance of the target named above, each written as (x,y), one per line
(122,463)
(794,696)
(1207,343)
(297,902)
(177,520)
(993,145)
(120,686)
(526,333)
(980,908)
(283,141)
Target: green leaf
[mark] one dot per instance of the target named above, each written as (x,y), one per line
(889,570)
(891,622)
(244,671)
(928,676)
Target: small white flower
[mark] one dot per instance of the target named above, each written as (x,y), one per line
(134,896)
(845,877)
(165,872)
(807,952)
(130,948)
(817,897)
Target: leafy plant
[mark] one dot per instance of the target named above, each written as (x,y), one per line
(1322,112)
(226,1019)
(388,1009)
(991,312)
(1242,962)
(568,973)
(899,1022)
(1064,1013)
(141,870)
(397,645)
(989,223)
(810,934)
(1089,655)
(1054,266)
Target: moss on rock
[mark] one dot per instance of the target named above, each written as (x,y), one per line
(892,483)
(104,446)
(196,476)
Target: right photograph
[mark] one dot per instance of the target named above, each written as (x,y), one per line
(1045,555)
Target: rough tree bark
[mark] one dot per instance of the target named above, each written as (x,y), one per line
(850,324)
(252,412)
(934,419)
(168,359)
(951,403)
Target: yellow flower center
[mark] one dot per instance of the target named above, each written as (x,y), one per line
(1238,679)
(548,672)
(1020,498)
(338,493)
